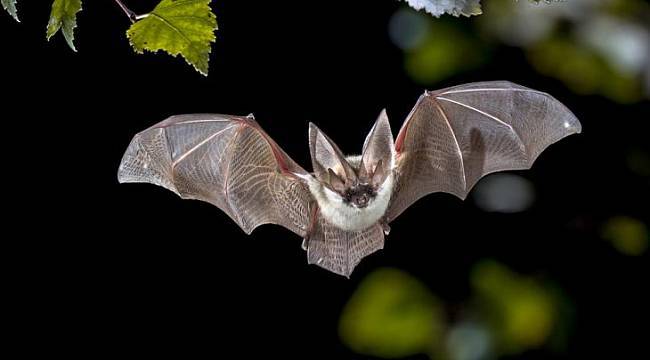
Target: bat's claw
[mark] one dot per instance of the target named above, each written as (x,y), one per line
(385,226)
(312,225)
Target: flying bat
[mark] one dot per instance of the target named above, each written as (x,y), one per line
(342,209)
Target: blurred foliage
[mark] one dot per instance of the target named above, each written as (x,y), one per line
(594,46)
(443,50)
(393,315)
(639,162)
(469,340)
(628,235)
(434,49)
(583,71)
(521,311)
(504,193)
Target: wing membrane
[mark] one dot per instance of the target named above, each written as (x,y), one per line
(455,136)
(228,161)
(341,251)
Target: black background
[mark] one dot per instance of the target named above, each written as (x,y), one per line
(132,269)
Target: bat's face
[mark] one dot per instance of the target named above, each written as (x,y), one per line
(358,192)
(359,196)
(354,182)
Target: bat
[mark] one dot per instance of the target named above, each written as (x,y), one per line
(343,209)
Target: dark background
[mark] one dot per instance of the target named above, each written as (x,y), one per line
(132,269)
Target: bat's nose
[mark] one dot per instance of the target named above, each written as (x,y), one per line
(361,201)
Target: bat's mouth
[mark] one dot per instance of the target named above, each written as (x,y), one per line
(360,204)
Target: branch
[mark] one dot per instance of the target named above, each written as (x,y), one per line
(129,13)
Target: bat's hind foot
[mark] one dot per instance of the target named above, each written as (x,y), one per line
(385,226)
(312,224)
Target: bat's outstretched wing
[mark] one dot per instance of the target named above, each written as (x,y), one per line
(454,136)
(228,161)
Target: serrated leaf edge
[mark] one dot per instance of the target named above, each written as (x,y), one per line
(69,38)
(212,40)
(11,9)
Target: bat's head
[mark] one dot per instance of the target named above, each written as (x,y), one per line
(356,179)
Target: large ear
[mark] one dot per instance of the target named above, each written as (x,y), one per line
(326,155)
(378,152)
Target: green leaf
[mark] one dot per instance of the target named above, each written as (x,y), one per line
(10,6)
(64,16)
(184,27)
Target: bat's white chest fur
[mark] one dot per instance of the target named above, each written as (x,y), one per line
(347,217)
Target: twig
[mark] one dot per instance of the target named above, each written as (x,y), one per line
(130,14)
